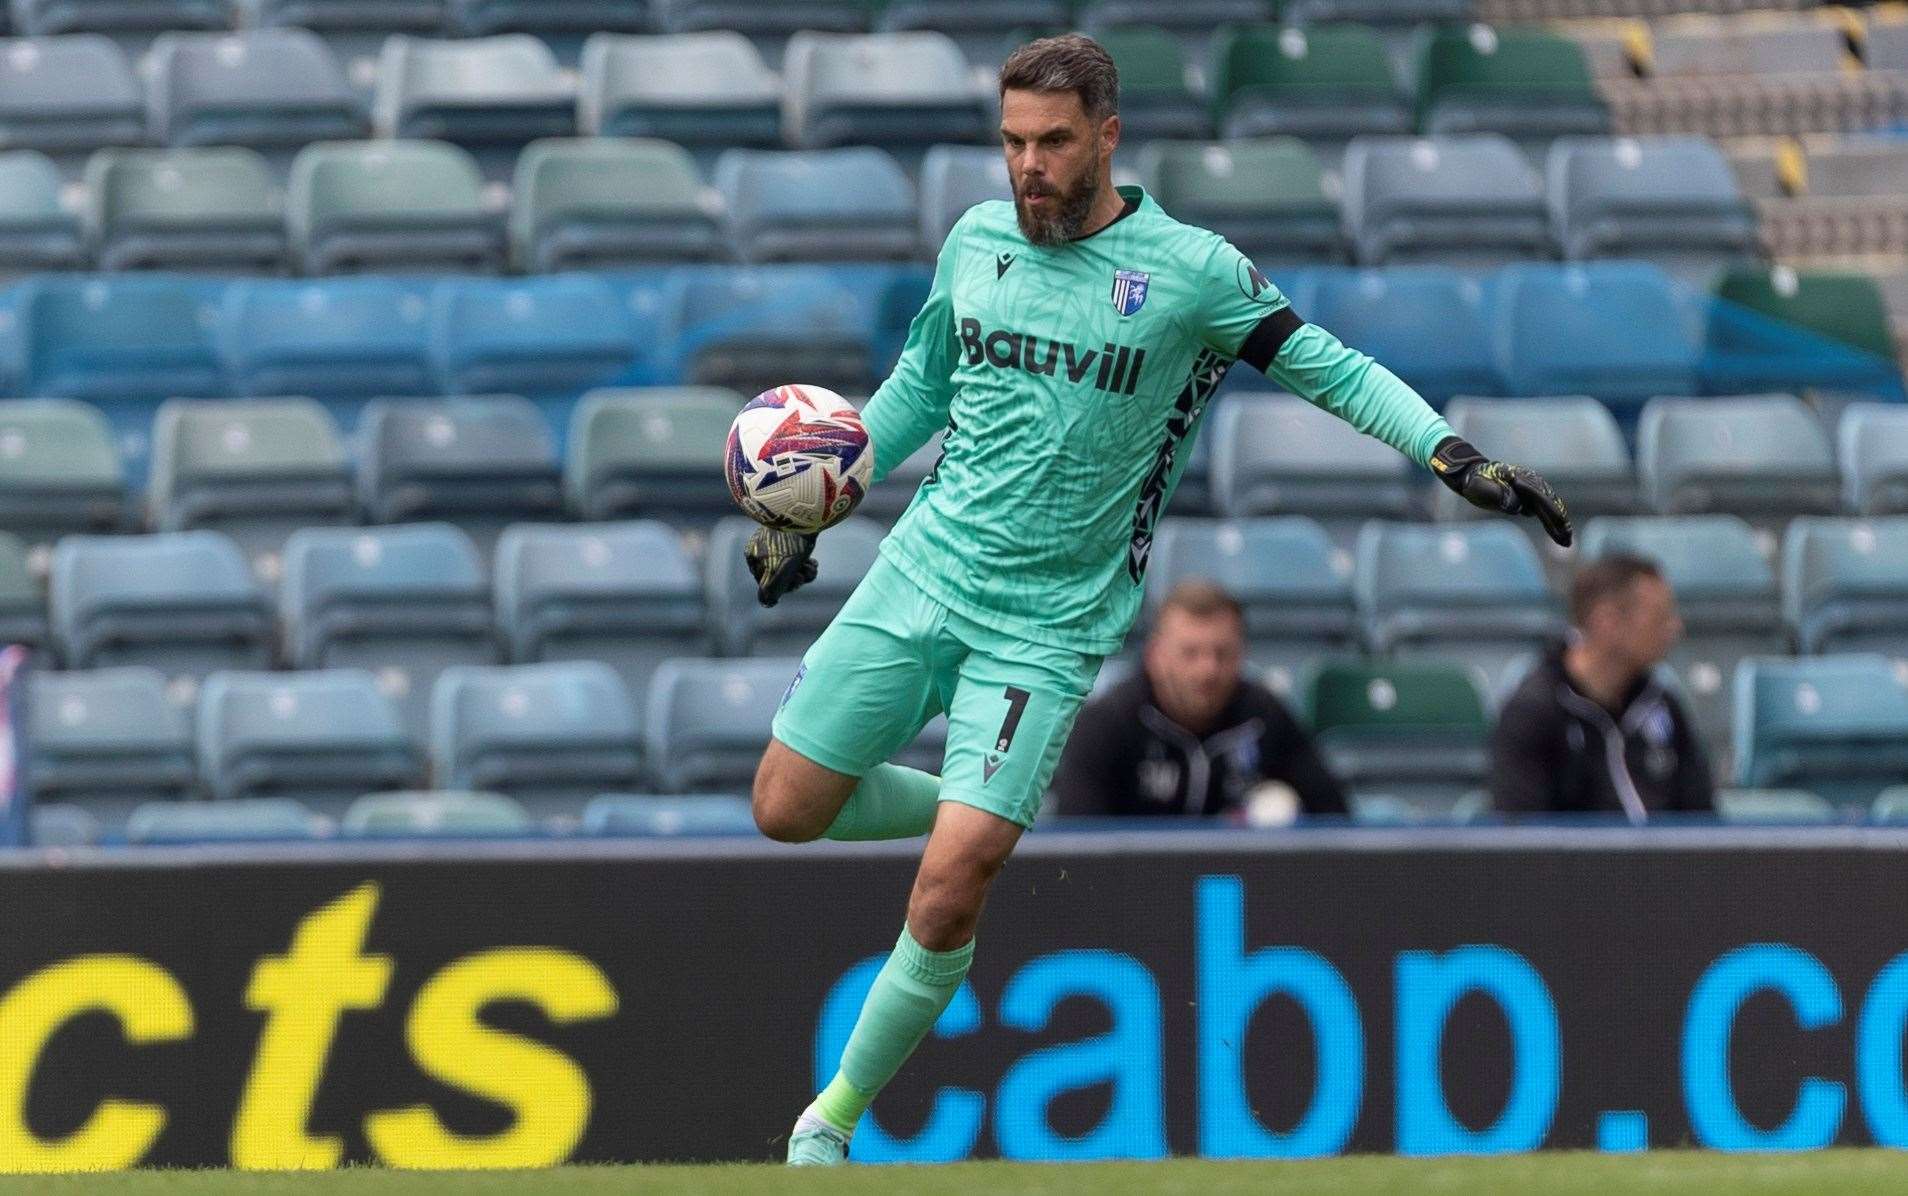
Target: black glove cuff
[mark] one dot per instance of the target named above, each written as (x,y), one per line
(1453,460)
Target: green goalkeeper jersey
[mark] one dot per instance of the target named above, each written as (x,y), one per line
(1072,380)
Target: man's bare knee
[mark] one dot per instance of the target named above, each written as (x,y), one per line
(794,799)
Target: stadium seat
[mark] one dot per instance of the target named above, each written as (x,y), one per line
(22,608)
(435,814)
(256,470)
(953,179)
(182,602)
(652,452)
(696,89)
(1776,328)
(1706,46)
(1413,731)
(121,339)
(1726,593)
(708,720)
(757,19)
(1872,449)
(1155,100)
(106,740)
(1835,725)
(195,209)
(1459,201)
(1525,82)
(249,820)
(529,336)
(1376,12)
(1890,805)
(650,815)
(350,16)
(1574,442)
(1611,330)
(37,232)
(818,205)
(42,18)
(1195,16)
(61,826)
(1470,592)
(1278,455)
(627,594)
(1328,83)
(602,203)
(891,89)
(333,339)
(404,602)
(67,94)
(59,472)
(1782,807)
(481,463)
(274,88)
(389,205)
(753,330)
(967,17)
(1762,456)
(1267,196)
(741,626)
(1294,586)
(1845,585)
(321,737)
(550,735)
(1425,324)
(551,18)
(1669,199)
(478,91)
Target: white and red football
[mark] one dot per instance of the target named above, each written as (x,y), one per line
(798,458)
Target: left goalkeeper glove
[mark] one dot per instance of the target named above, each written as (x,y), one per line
(1497,486)
(780,562)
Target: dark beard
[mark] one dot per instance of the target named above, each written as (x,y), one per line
(1070,214)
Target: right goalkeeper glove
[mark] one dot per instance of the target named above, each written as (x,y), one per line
(780,562)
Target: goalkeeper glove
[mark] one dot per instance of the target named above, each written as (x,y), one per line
(780,562)
(1497,486)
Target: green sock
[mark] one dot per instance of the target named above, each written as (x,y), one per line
(891,802)
(914,986)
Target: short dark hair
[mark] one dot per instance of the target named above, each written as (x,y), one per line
(1071,62)
(1606,579)
(1202,599)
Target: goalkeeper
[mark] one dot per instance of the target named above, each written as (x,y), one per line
(1069,345)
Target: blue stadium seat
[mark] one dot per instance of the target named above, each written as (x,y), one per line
(1461,201)
(1197,16)
(893,89)
(320,737)
(404,602)
(1845,585)
(68,93)
(262,88)
(435,814)
(248,820)
(626,594)
(1674,200)
(46,17)
(1425,324)
(696,89)
(605,202)
(741,626)
(529,336)
(1295,587)
(1574,442)
(652,815)
(481,463)
(1611,330)
(1762,456)
(550,18)
(22,607)
(1872,449)
(478,91)
(409,206)
(122,337)
(183,602)
(37,232)
(751,17)
(654,452)
(1726,593)
(708,721)
(953,179)
(550,735)
(818,205)
(1469,592)
(330,339)
(107,739)
(1835,725)
(1278,455)
(753,330)
(59,471)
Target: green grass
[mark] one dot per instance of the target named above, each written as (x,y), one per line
(1555,1174)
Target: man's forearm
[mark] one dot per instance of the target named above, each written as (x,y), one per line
(1319,367)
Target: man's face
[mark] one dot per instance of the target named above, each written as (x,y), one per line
(1193,663)
(1056,156)
(1641,625)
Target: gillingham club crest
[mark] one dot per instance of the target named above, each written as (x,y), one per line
(1129,290)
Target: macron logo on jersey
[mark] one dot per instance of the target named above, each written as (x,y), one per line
(1113,368)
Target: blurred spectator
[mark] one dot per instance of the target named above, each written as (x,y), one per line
(1188,734)
(1592,729)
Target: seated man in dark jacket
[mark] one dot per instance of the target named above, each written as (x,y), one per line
(1188,734)
(1592,729)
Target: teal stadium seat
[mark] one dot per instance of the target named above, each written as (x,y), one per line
(182,602)
(22,607)
(756,19)
(551,736)
(1325,83)
(851,204)
(435,814)
(68,94)
(1282,456)
(953,179)
(1470,201)
(400,206)
(273,89)
(708,721)
(1424,323)
(696,89)
(1872,449)
(1778,806)
(504,90)
(107,740)
(1412,732)
(1266,195)
(37,232)
(550,336)
(753,330)
(246,820)
(889,89)
(1574,442)
(188,209)
(45,17)
(320,737)
(741,626)
(1845,585)
(651,452)
(59,470)
(658,816)
(1764,457)
(1835,725)
(1525,82)
(480,463)
(609,202)
(340,340)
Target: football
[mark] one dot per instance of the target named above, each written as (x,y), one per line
(798,458)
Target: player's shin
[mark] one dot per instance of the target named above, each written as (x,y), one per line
(908,995)
(891,802)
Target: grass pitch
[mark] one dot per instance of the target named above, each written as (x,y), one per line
(1826,1173)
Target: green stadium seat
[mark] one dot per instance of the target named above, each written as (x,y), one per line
(602,203)
(1415,731)
(654,453)
(417,814)
(1327,83)
(1266,195)
(1835,725)
(1527,83)
(391,206)
(1779,806)
(241,820)
(36,230)
(185,209)
(1777,328)
(1155,100)
(59,471)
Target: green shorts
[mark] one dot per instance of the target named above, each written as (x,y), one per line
(894,658)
